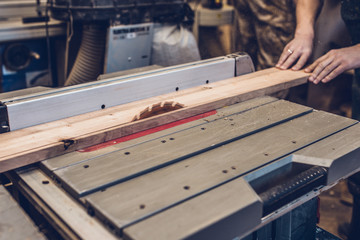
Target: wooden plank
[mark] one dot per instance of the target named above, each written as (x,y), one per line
(72,158)
(119,166)
(40,142)
(62,207)
(14,223)
(131,201)
(222,213)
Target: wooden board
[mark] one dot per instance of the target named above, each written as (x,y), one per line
(14,223)
(151,193)
(40,142)
(77,157)
(122,165)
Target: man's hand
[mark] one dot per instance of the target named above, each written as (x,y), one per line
(299,49)
(334,63)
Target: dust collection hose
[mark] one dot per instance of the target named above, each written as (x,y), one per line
(90,58)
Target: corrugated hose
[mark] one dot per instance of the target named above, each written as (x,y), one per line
(89,61)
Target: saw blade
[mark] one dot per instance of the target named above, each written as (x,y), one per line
(157,109)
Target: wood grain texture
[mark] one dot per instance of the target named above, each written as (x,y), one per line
(30,145)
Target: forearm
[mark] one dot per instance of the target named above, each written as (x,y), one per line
(298,50)
(333,63)
(357,53)
(306,11)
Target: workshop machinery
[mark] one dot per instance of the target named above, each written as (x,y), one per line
(66,42)
(239,172)
(18,111)
(107,36)
(31,47)
(251,170)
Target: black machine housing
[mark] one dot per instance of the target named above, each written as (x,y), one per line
(127,12)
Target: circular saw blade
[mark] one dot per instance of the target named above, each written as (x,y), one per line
(157,109)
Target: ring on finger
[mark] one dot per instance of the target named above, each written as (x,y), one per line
(290,51)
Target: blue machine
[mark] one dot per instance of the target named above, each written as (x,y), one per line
(25,64)
(30,53)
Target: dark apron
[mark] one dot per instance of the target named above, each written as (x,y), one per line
(350,12)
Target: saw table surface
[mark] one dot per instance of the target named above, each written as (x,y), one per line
(199,179)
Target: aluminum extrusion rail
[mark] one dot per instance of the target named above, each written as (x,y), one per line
(70,101)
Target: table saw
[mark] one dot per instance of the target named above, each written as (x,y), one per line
(242,171)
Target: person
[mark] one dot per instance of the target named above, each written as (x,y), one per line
(297,52)
(262,29)
(324,69)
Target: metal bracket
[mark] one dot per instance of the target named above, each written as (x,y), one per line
(243,63)
(4,119)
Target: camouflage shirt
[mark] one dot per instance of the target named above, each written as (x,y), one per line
(263,28)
